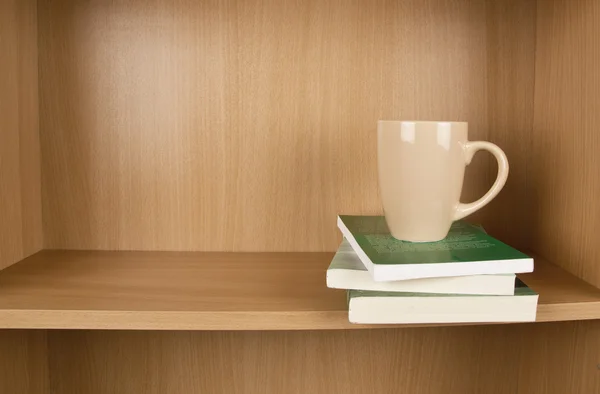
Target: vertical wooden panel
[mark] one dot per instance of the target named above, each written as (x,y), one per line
(565,166)
(20,204)
(511,65)
(524,358)
(10,193)
(23,367)
(449,360)
(29,137)
(241,125)
(561,358)
(563,184)
(23,362)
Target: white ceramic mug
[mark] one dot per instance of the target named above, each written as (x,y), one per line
(421,167)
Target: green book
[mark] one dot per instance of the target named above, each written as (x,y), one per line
(378,307)
(346,271)
(466,250)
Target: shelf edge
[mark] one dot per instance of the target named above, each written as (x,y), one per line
(238,321)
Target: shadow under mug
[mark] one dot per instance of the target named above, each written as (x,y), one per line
(421,167)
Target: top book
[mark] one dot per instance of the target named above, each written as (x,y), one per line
(466,250)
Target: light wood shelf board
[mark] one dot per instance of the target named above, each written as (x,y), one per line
(214,291)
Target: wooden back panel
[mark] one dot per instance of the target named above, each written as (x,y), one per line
(564,181)
(553,358)
(249,125)
(511,58)
(24,362)
(20,190)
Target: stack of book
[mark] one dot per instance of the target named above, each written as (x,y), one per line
(468,277)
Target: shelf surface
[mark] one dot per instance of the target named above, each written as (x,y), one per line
(214,291)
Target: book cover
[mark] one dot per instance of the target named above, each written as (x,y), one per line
(346,271)
(465,251)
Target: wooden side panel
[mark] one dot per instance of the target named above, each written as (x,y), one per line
(511,60)
(564,178)
(563,185)
(23,356)
(528,359)
(20,191)
(11,245)
(23,362)
(249,125)
(23,368)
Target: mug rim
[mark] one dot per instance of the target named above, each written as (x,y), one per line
(423,121)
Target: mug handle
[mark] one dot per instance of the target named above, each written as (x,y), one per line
(470,148)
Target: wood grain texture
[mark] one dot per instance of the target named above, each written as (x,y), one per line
(524,359)
(249,125)
(20,191)
(511,65)
(214,291)
(564,183)
(23,362)
(291,362)
(561,358)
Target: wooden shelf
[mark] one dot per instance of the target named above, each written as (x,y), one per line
(213,291)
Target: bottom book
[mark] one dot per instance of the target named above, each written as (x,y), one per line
(376,307)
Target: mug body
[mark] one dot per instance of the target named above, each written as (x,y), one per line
(421,167)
